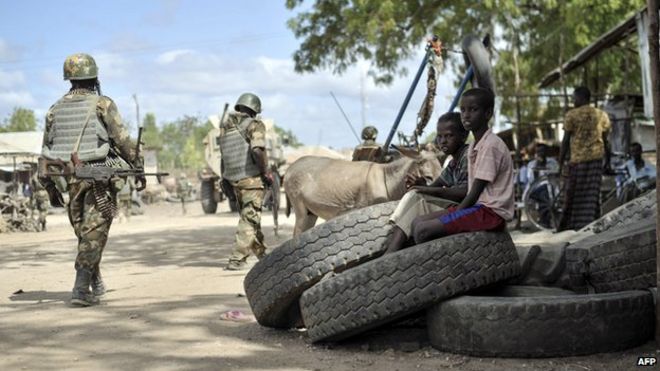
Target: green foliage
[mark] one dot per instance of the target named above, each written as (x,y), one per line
(150,132)
(288,137)
(533,36)
(21,119)
(179,142)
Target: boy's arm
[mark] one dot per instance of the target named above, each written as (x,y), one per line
(439,182)
(472,196)
(456,194)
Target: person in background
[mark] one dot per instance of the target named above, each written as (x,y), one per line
(245,166)
(368,150)
(639,175)
(540,166)
(585,137)
(183,189)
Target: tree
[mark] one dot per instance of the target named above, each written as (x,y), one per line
(21,119)
(288,137)
(151,133)
(181,142)
(536,36)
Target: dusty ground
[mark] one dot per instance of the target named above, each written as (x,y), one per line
(167,293)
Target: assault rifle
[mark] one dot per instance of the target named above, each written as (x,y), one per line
(96,173)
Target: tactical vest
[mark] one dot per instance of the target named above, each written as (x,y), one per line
(367,153)
(70,115)
(235,150)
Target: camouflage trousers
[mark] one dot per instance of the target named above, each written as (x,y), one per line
(41,205)
(89,224)
(249,238)
(125,205)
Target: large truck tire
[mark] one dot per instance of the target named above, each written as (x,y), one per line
(541,322)
(274,285)
(619,259)
(406,282)
(209,205)
(479,58)
(630,213)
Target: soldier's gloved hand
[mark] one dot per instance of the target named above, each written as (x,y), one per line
(267,179)
(140,183)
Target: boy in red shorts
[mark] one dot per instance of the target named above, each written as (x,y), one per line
(489,202)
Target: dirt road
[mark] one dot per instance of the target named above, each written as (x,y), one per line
(167,292)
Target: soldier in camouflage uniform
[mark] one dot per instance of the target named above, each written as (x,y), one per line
(368,150)
(87,123)
(244,165)
(40,202)
(124,199)
(183,189)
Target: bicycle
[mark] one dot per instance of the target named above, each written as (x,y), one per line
(542,202)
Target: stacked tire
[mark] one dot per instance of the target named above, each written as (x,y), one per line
(408,281)
(274,285)
(525,321)
(334,280)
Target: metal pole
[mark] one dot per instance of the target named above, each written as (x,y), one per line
(15,180)
(346,118)
(137,111)
(411,90)
(654,50)
(468,76)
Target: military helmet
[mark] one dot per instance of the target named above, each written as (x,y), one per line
(369,133)
(250,101)
(80,66)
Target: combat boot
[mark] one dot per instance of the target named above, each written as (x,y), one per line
(236,265)
(98,287)
(81,296)
(43,226)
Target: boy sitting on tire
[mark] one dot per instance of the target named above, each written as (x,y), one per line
(448,189)
(489,201)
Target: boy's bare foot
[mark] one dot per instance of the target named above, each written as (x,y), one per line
(395,240)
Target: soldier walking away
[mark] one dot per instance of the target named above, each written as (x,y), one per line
(245,165)
(85,127)
(368,150)
(124,200)
(40,202)
(183,189)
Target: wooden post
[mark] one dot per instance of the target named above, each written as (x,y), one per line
(652,9)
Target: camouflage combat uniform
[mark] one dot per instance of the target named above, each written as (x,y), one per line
(40,202)
(183,189)
(368,150)
(249,189)
(88,222)
(125,204)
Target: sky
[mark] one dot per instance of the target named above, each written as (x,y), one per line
(185,57)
